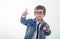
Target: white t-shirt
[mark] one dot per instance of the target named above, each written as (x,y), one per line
(35,33)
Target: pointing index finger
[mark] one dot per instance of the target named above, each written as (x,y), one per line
(26,9)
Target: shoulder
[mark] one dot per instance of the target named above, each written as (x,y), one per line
(30,20)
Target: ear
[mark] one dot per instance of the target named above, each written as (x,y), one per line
(44,14)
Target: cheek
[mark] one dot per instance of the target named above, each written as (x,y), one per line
(42,16)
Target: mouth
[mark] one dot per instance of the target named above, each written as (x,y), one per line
(39,16)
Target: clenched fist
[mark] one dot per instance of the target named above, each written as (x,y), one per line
(46,27)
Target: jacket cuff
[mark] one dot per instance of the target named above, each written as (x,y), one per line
(47,30)
(23,16)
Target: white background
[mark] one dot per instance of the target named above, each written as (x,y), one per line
(11,11)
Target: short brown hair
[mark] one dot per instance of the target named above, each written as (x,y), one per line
(41,7)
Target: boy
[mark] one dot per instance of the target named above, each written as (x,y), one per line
(37,28)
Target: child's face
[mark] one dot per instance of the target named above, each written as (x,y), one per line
(39,14)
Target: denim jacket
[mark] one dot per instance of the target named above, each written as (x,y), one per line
(31,28)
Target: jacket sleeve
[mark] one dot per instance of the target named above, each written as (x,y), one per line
(24,21)
(48,32)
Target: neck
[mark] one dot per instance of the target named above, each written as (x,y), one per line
(39,20)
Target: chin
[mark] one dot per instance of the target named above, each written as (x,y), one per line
(39,18)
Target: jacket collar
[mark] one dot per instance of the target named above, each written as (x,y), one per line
(36,21)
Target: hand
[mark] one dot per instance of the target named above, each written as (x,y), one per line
(46,27)
(25,13)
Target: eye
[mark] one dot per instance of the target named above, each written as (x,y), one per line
(38,12)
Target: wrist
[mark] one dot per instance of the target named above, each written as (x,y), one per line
(23,16)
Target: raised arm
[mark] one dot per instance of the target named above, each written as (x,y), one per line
(23,18)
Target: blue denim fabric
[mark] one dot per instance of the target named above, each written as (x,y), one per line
(31,28)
